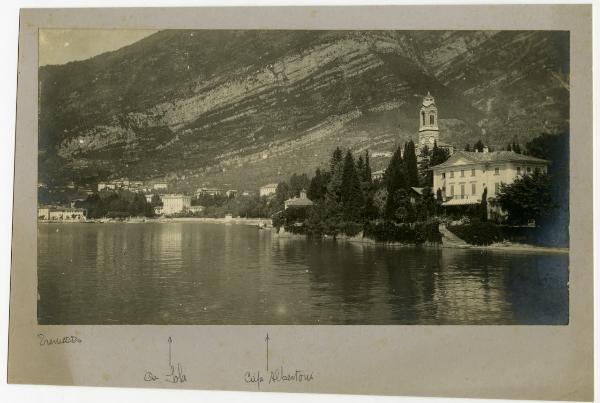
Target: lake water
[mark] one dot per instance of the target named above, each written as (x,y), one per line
(197,273)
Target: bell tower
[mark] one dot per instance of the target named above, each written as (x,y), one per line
(428,122)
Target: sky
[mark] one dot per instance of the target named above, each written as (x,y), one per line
(60,46)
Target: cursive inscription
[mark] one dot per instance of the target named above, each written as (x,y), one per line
(150,377)
(256,378)
(49,341)
(175,375)
(178,377)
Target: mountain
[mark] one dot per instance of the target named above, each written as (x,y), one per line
(243,108)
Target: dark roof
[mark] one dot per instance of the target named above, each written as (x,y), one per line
(489,157)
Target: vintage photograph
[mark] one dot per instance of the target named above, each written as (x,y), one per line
(303,177)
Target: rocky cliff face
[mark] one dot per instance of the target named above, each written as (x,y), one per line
(241,108)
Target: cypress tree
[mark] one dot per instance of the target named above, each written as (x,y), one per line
(478,146)
(336,158)
(394,181)
(318,186)
(516,148)
(410,164)
(483,205)
(367,170)
(352,198)
(360,166)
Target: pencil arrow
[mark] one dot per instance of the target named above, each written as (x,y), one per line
(170,342)
(267,341)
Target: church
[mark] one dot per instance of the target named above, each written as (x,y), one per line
(429,132)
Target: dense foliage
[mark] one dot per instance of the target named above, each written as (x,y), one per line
(527,198)
(387,231)
(119,204)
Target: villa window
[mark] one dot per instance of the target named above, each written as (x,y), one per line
(452,174)
(462,173)
(518,170)
(462,190)
(431,119)
(443,175)
(472,172)
(423,116)
(496,171)
(451,190)
(473,188)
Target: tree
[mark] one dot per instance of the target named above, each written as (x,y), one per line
(366,175)
(483,208)
(405,211)
(527,198)
(410,164)
(438,155)
(394,181)
(479,146)
(351,193)
(156,201)
(281,195)
(318,186)
(297,184)
(516,147)
(336,159)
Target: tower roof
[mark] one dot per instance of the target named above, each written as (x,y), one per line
(428,100)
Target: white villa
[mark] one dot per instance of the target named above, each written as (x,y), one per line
(268,189)
(298,202)
(175,203)
(464,176)
(54,213)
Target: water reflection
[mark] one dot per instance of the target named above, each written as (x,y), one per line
(188,273)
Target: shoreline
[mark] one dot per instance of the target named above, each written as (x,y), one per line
(494,247)
(341,238)
(267,222)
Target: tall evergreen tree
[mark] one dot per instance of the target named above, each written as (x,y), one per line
(360,166)
(336,159)
(483,207)
(367,170)
(394,181)
(334,189)
(516,148)
(410,164)
(478,146)
(318,186)
(351,196)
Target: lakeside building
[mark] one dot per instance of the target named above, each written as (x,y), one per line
(209,192)
(298,202)
(160,186)
(429,131)
(464,176)
(196,209)
(56,213)
(176,203)
(268,189)
(377,175)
